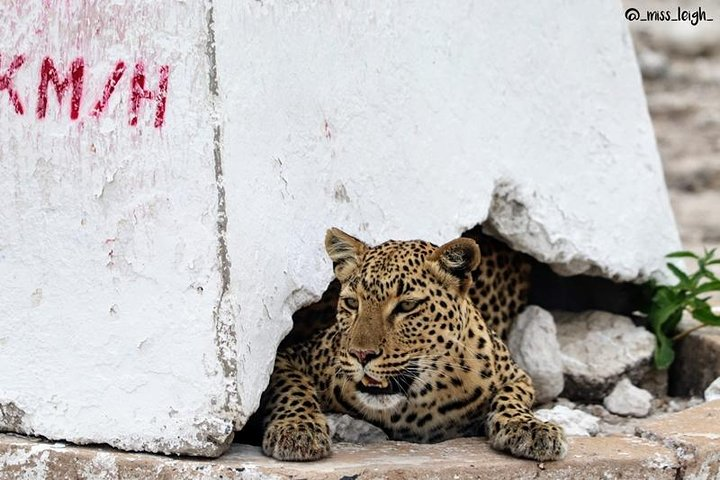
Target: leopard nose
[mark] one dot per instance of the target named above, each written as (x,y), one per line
(364,356)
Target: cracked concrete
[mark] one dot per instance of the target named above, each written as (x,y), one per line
(226,309)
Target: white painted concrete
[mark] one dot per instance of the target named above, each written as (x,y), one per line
(135,316)
(393,121)
(109,273)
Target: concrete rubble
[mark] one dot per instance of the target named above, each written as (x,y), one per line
(575,422)
(344,428)
(586,338)
(534,346)
(678,446)
(713,391)
(627,399)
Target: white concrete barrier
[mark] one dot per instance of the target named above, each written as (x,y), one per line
(168,170)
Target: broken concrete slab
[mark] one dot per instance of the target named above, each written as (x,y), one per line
(610,457)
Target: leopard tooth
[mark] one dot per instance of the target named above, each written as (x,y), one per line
(370,381)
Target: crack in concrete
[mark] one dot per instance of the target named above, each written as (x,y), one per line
(223,314)
(683,452)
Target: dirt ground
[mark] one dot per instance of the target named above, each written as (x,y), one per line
(681,73)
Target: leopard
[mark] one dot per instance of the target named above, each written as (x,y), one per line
(416,348)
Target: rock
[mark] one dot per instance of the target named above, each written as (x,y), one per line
(628,400)
(653,64)
(344,428)
(534,346)
(598,348)
(713,391)
(575,422)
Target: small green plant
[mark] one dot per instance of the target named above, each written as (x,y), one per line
(690,294)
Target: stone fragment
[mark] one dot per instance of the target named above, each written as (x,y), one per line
(653,64)
(628,400)
(598,348)
(713,391)
(575,422)
(534,346)
(344,428)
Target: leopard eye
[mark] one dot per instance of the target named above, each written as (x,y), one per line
(406,306)
(351,303)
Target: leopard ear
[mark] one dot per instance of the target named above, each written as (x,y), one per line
(453,262)
(345,252)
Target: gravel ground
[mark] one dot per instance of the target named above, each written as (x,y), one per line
(680,63)
(681,73)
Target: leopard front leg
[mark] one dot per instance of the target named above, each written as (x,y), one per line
(512,426)
(294,426)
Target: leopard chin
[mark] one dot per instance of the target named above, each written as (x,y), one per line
(380,401)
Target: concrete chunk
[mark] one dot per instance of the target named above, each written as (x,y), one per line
(598,348)
(576,423)
(629,400)
(713,391)
(534,346)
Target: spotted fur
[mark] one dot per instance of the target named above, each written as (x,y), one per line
(416,349)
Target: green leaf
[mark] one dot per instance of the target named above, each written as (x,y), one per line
(672,322)
(713,286)
(659,317)
(682,276)
(682,254)
(666,303)
(664,354)
(708,274)
(704,314)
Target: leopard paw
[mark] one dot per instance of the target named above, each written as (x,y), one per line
(296,440)
(534,439)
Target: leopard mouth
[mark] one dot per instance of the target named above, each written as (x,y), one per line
(389,385)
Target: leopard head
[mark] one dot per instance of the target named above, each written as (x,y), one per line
(402,306)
